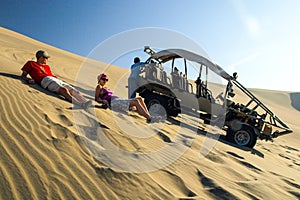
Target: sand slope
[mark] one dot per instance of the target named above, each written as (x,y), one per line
(44,157)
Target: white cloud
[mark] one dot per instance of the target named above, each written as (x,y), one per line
(250,22)
(253,26)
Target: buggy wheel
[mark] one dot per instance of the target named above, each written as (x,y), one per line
(160,103)
(245,136)
(155,106)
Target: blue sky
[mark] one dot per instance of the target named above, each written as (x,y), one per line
(260,39)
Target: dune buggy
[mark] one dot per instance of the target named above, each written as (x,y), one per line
(193,94)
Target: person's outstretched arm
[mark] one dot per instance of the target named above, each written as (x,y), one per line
(26,79)
(97,94)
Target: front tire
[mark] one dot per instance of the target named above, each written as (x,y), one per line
(245,136)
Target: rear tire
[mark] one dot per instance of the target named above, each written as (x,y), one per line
(155,105)
(153,99)
(245,136)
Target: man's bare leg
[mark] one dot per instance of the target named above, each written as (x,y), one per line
(76,94)
(66,93)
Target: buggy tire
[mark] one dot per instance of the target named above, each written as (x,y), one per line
(245,136)
(152,99)
(155,103)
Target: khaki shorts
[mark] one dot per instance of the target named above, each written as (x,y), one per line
(119,104)
(53,84)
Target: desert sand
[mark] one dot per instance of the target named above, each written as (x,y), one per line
(44,152)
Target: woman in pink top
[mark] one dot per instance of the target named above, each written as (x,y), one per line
(105,96)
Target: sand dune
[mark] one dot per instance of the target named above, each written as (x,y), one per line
(46,155)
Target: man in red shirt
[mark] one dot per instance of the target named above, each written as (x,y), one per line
(41,74)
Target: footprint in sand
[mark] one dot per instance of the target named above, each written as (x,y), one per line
(216,191)
(214,158)
(290,148)
(295,187)
(65,120)
(164,137)
(174,184)
(284,156)
(250,166)
(235,155)
(33,91)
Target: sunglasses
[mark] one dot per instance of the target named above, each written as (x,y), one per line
(104,79)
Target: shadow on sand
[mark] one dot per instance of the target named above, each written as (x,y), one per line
(14,76)
(34,86)
(222,138)
(39,88)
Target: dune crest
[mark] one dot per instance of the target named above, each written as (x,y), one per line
(43,155)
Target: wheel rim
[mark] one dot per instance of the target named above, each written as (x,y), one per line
(153,102)
(155,108)
(242,137)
